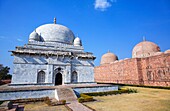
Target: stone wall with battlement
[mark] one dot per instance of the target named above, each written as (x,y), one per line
(151,71)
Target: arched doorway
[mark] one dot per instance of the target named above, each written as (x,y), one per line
(74,77)
(58,79)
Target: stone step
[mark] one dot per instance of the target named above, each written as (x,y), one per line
(66,94)
(70,97)
(76,106)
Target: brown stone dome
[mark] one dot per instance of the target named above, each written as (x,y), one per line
(145,49)
(108,58)
(167,51)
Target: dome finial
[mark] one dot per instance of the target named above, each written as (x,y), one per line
(77,35)
(144,39)
(54,20)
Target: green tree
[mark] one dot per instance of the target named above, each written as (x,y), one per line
(4,73)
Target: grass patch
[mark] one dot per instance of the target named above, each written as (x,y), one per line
(147,99)
(145,86)
(47,100)
(27,100)
(41,106)
(51,103)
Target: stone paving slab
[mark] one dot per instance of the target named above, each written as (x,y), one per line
(76,106)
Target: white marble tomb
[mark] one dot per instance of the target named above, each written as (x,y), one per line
(52,56)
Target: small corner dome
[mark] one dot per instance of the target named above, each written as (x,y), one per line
(55,33)
(34,36)
(77,42)
(108,58)
(145,49)
(167,51)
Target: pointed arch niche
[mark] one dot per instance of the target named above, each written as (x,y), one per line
(41,77)
(74,77)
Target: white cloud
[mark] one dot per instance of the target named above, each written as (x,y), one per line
(102,5)
(20,40)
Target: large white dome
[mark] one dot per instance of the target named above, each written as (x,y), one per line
(55,33)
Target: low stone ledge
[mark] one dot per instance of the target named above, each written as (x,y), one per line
(6,105)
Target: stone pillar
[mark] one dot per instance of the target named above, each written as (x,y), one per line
(49,74)
(68,74)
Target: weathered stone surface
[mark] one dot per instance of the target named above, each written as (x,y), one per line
(145,49)
(152,71)
(95,89)
(66,94)
(13,95)
(108,58)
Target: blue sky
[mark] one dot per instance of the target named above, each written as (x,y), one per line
(102,25)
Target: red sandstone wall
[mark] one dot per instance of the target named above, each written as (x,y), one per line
(119,72)
(153,71)
(156,70)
